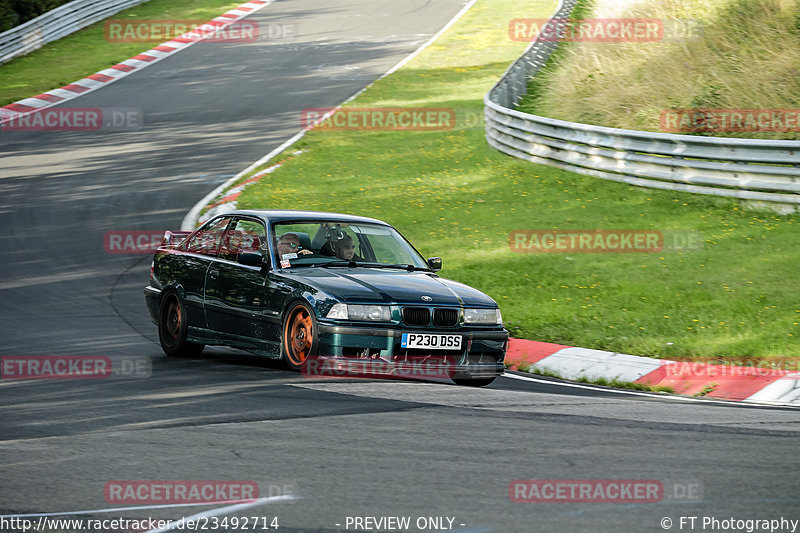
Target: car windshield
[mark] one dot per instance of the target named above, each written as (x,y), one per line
(336,243)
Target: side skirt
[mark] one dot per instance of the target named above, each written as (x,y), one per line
(259,347)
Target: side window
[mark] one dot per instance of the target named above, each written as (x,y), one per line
(243,236)
(206,241)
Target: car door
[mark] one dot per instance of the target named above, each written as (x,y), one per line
(199,252)
(282,283)
(234,293)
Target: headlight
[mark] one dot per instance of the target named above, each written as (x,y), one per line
(482,316)
(378,313)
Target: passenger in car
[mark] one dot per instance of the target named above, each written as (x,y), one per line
(344,248)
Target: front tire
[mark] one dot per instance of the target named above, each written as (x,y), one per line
(299,336)
(172,328)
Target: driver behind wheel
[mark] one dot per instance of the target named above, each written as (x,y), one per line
(289,243)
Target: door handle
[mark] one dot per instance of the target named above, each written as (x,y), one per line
(213,274)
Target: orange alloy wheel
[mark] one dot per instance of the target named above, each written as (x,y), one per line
(298,336)
(173,320)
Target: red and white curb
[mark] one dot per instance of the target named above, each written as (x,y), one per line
(137,62)
(726,382)
(192,218)
(746,384)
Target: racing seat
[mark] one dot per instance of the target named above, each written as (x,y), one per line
(327,249)
(305,240)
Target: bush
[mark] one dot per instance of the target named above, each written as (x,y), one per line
(16,12)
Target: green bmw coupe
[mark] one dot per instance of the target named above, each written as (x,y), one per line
(331,295)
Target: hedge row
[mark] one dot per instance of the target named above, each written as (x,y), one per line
(16,12)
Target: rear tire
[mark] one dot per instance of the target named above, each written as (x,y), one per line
(172,328)
(299,340)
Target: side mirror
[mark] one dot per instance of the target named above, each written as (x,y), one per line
(435,263)
(253,259)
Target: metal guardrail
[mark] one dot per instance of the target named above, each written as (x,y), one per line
(57,23)
(751,169)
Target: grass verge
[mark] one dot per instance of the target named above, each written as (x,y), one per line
(733,296)
(729,54)
(602,382)
(87,51)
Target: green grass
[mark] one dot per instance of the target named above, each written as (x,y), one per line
(87,51)
(708,389)
(453,196)
(620,384)
(742,54)
(603,382)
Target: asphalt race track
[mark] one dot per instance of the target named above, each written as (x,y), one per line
(335,448)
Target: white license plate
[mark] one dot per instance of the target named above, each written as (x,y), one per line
(430,341)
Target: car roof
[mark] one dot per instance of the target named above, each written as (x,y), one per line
(282,215)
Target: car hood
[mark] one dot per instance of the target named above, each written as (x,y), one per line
(363,285)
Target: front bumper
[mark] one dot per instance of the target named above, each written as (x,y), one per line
(364,350)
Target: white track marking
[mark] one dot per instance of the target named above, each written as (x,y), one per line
(729,403)
(190,220)
(224,510)
(429,42)
(144,507)
(93,85)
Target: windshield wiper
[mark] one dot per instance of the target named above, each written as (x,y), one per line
(350,264)
(354,264)
(410,268)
